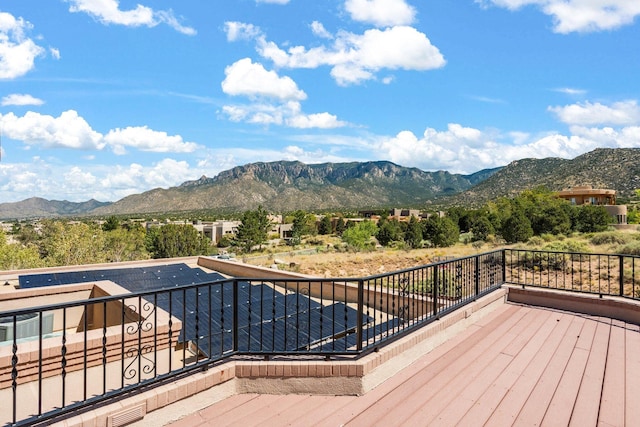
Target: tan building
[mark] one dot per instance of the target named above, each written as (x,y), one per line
(587,195)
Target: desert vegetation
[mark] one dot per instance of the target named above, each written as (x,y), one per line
(534,220)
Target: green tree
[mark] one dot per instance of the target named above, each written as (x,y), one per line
(441,232)
(633,216)
(359,235)
(254,229)
(26,234)
(414,234)
(176,240)
(389,231)
(324,227)
(126,244)
(303,224)
(552,217)
(340,226)
(481,228)
(112,223)
(590,218)
(15,256)
(65,243)
(517,228)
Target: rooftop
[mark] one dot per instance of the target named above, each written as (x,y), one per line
(518,365)
(509,337)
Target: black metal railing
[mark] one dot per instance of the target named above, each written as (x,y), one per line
(601,274)
(60,358)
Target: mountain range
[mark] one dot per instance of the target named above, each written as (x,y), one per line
(289,185)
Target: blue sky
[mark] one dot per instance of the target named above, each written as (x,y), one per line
(105,98)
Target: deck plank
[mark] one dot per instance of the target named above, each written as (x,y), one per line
(561,406)
(227,405)
(280,411)
(519,366)
(587,404)
(249,413)
(531,337)
(320,408)
(538,401)
(613,388)
(486,362)
(632,412)
(388,395)
(548,335)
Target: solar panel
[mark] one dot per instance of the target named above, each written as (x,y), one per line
(268,319)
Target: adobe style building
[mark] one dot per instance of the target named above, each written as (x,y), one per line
(587,195)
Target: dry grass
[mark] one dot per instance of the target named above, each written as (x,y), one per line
(348,264)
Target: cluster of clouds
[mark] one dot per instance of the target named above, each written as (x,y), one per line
(108,12)
(275,99)
(465,150)
(70,130)
(458,149)
(81,183)
(391,44)
(18,51)
(578,15)
(270,97)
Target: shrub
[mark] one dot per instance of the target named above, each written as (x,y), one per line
(535,241)
(631,248)
(567,246)
(610,238)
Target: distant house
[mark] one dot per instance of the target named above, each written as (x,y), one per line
(397,214)
(587,195)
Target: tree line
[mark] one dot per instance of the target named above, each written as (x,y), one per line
(517,219)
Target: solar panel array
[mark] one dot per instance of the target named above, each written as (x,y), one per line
(268,319)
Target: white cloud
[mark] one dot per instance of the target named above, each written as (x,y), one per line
(579,15)
(460,149)
(382,13)
(71,131)
(240,31)
(251,79)
(320,120)
(17,51)
(122,180)
(275,99)
(55,53)
(587,113)
(144,139)
(356,58)
(65,131)
(273,1)
(20,99)
(571,91)
(286,114)
(488,100)
(82,180)
(108,12)
(319,30)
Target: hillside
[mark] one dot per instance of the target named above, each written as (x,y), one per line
(37,207)
(285,186)
(618,169)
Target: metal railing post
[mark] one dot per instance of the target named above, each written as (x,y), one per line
(234,327)
(477,275)
(435,290)
(621,272)
(504,266)
(360,315)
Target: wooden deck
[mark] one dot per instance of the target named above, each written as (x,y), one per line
(518,366)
